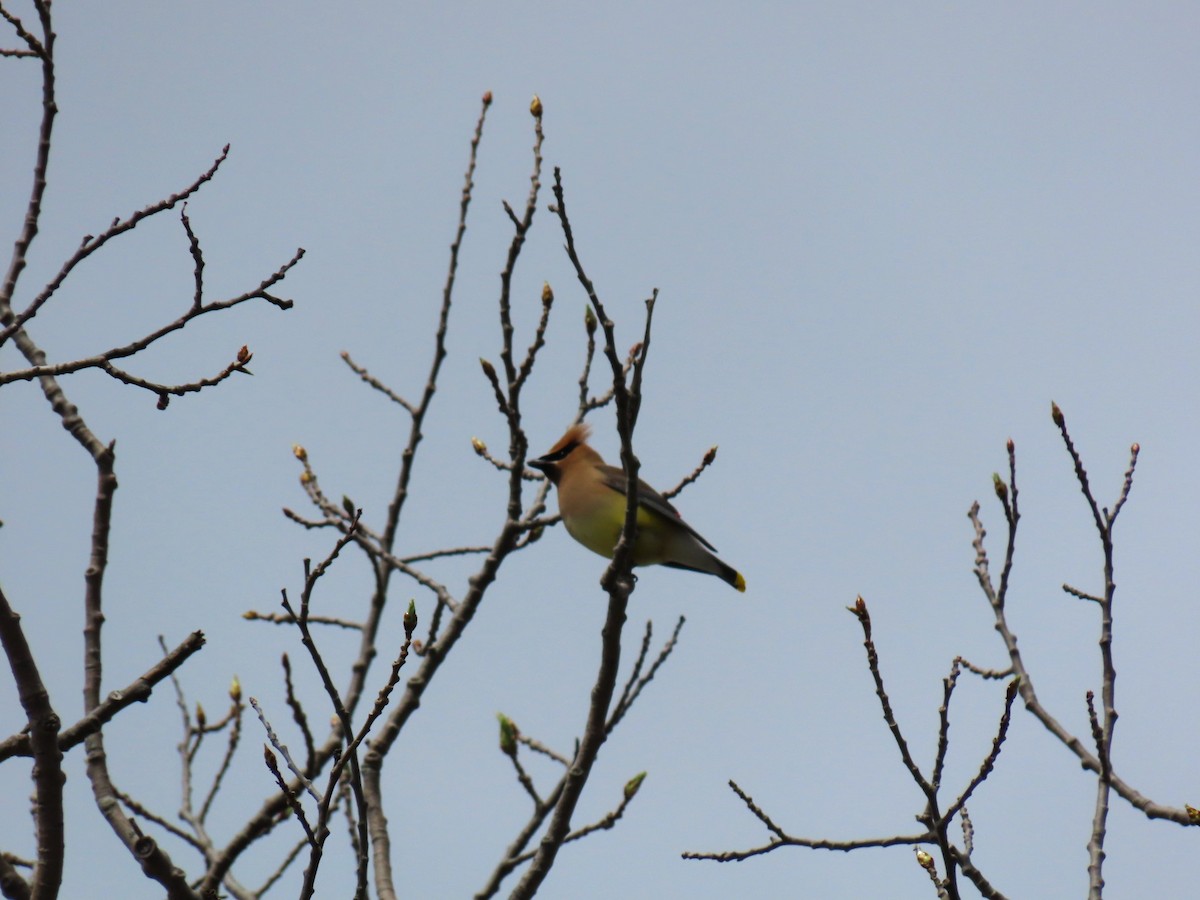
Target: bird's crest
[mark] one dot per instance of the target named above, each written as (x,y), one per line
(577,434)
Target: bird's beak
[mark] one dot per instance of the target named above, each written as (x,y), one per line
(540,464)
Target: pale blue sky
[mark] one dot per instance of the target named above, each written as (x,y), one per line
(885,236)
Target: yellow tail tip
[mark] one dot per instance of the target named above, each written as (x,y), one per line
(740,583)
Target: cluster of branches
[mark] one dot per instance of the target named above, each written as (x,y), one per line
(45,739)
(937,816)
(363,802)
(339,773)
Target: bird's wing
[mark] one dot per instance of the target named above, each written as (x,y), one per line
(650,499)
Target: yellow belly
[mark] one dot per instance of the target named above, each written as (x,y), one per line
(599,529)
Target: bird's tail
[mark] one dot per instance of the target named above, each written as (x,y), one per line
(713,566)
(732,576)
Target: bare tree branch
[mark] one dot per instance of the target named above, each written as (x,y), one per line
(48,777)
(617,579)
(782,839)
(137,691)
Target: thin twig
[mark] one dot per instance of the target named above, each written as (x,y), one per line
(137,691)
(285,789)
(235,733)
(104,361)
(141,810)
(864,618)
(989,674)
(374,382)
(605,822)
(91,243)
(634,686)
(989,761)
(280,619)
(538,747)
(1082,595)
(707,461)
(283,751)
(780,838)
(298,715)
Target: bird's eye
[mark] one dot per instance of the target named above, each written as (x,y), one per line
(558,455)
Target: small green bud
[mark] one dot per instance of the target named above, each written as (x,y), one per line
(547,294)
(1056,414)
(535,107)
(632,785)
(1000,486)
(410,619)
(508,735)
(589,320)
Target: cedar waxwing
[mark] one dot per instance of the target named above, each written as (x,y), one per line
(591,498)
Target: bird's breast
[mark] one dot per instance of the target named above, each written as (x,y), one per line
(595,518)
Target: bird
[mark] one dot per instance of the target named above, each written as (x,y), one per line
(591,499)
